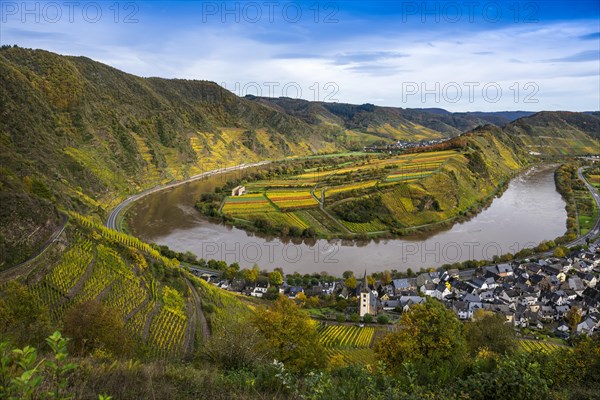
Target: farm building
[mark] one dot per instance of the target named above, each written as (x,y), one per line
(238,191)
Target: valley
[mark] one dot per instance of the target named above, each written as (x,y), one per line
(170,229)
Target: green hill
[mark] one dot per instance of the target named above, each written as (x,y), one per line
(558,133)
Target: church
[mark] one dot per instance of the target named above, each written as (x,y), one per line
(368,299)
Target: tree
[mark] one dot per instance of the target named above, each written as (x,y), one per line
(24,317)
(490,331)
(428,335)
(367,318)
(573,318)
(275,278)
(560,252)
(301,298)
(251,275)
(235,347)
(371,280)
(93,326)
(351,283)
(291,335)
(386,277)
(347,274)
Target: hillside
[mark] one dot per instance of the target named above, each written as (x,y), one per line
(160,304)
(82,135)
(380,123)
(558,133)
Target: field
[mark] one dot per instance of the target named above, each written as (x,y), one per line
(535,346)
(247,204)
(292,199)
(352,344)
(587,211)
(594,180)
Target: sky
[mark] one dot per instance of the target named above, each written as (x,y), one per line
(458,55)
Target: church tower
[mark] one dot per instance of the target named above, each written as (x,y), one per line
(367,303)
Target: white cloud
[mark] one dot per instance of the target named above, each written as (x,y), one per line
(367,67)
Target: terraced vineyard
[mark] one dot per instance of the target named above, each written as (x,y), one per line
(351,343)
(536,346)
(88,270)
(292,199)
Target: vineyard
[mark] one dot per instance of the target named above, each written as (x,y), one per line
(365,227)
(292,199)
(346,188)
(536,346)
(114,271)
(247,204)
(350,343)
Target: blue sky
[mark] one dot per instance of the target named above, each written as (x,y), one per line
(458,55)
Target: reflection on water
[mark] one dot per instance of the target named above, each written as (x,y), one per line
(529,211)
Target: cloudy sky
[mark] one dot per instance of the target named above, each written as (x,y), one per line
(457,55)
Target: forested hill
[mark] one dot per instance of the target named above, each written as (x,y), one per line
(558,132)
(385,122)
(83,135)
(80,135)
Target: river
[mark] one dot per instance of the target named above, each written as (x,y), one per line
(528,212)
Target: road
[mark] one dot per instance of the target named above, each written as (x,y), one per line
(18,269)
(596,229)
(113,217)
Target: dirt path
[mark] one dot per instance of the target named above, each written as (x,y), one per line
(79,285)
(149,318)
(190,330)
(135,310)
(204,328)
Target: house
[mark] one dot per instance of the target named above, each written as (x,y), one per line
(238,191)
(441,291)
(587,326)
(293,291)
(576,284)
(390,305)
(408,301)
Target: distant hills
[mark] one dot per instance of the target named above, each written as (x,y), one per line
(80,135)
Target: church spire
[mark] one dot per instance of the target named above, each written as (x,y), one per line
(365,288)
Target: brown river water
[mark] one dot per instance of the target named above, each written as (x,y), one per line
(528,212)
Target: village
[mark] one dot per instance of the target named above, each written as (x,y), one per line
(400,145)
(559,297)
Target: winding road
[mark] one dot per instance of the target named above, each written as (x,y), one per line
(596,229)
(113,217)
